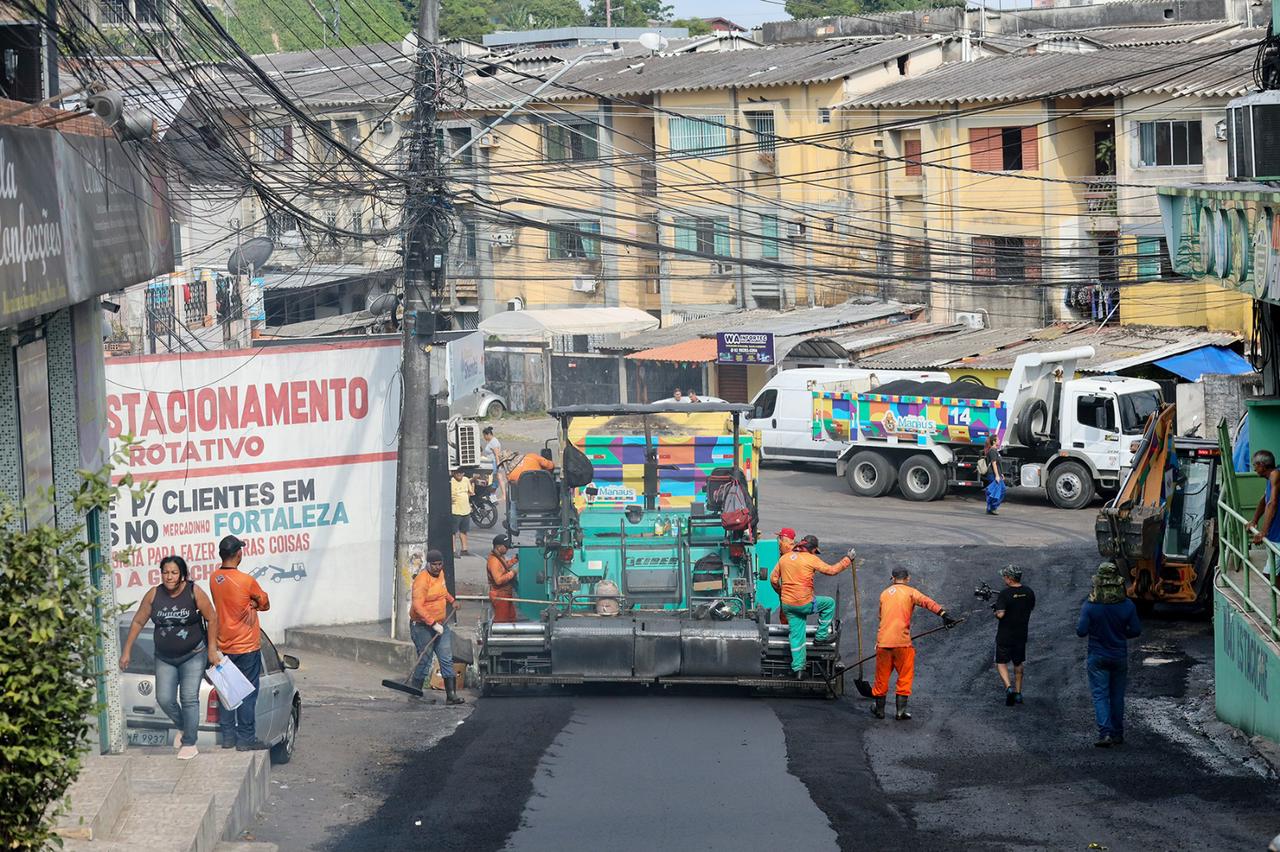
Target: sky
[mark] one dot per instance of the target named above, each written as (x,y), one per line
(747,13)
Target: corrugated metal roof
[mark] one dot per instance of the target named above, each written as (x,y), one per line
(354,76)
(1116,348)
(781,323)
(1111,72)
(858,341)
(699,350)
(1166,34)
(765,66)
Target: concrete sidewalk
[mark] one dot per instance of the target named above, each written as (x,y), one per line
(147,799)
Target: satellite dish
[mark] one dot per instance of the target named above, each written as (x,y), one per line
(653,41)
(379,303)
(250,256)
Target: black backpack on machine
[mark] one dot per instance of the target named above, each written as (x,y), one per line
(578,471)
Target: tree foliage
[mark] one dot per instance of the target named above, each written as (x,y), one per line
(628,13)
(536,14)
(48,645)
(275,26)
(695,26)
(800,9)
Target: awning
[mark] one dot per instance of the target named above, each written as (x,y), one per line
(697,351)
(1214,360)
(546,323)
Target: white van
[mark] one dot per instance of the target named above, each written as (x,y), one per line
(783,412)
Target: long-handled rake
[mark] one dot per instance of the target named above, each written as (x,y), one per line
(404,685)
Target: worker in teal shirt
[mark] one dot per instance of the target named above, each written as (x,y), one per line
(1266,518)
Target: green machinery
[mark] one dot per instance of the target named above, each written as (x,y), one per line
(626,570)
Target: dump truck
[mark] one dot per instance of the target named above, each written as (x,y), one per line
(629,570)
(1161,528)
(1069,436)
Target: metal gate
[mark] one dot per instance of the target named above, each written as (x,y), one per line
(731,381)
(583,379)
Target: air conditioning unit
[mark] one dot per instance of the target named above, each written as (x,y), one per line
(972,320)
(722,268)
(584,284)
(387,125)
(516,304)
(489,140)
(464,443)
(1253,137)
(505,239)
(795,229)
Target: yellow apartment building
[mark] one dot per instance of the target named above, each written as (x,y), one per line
(1000,186)
(646,181)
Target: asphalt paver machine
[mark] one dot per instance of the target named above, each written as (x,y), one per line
(629,571)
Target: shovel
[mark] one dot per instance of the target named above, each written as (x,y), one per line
(404,685)
(920,635)
(860,683)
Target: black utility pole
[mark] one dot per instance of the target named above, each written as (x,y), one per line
(426,235)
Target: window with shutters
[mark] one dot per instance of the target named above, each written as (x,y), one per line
(1153,259)
(1170,143)
(575,244)
(459,137)
(275,144)
(911,157)
(1006,260)
(770,245)
(1004,149)
(573,141)
(698,135)
(703,234)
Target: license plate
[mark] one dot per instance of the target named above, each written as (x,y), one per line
(143,737)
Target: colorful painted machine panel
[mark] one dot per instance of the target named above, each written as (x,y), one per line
(833,415)
(685,458)
(931,419)
(619,467)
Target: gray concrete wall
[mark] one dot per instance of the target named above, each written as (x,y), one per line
(934,21)
(1224,397)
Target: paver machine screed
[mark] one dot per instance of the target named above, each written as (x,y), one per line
(632,570)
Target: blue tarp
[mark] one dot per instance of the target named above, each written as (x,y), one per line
(1215,360)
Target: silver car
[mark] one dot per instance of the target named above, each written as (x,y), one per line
(279,707)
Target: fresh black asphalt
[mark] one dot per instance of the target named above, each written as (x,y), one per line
(636,769)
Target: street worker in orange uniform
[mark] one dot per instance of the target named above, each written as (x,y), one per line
(428,620)
(530,461)
(786,543)
(793,578)
(502,580)
(894,651)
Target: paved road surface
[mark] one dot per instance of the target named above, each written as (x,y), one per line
(640,769)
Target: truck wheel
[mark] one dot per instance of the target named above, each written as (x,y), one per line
(920,479)
(1070,486)
(870,474)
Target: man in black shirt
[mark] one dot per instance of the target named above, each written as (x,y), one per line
(1013,610)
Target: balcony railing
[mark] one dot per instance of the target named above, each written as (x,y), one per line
(1100,195)
(1249,570)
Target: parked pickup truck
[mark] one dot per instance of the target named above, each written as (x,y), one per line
(1069,436)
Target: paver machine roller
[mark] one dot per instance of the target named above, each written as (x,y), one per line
(632,569)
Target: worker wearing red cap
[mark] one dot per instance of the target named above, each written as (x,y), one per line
(786,543)
(793,578)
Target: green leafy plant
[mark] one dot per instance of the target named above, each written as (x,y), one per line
(48,651)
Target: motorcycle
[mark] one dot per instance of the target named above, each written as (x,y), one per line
(484,502)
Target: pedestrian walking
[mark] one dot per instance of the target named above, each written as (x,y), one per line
(239,599)
(994,475)
(185,636)
(1013,613)
(1266,518)
(428,620)
(793,578)
(493,452)
(1109,619)
(894,651)
(501,570)
(460,490)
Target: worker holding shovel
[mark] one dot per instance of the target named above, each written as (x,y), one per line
(894,651)
(428,622)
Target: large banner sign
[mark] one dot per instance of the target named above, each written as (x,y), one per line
(292,449)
